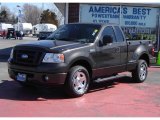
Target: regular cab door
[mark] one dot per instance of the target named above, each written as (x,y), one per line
(108,55)
(121,41)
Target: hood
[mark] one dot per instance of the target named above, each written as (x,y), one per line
(56,45)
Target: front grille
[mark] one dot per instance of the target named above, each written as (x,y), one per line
(31,58)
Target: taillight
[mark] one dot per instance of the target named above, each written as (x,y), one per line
(152,52)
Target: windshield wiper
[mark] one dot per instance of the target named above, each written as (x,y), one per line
(51,38)
(83,40)
(65,39)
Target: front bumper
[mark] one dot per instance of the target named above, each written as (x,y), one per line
(39,78)
(35,75)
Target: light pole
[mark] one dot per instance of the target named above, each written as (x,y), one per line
(1,6)
(19,12)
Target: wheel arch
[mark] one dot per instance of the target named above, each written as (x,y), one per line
(82,62)
(145,57)
(141,53)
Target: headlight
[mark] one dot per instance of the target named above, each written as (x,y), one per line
(11,54)
(53,58)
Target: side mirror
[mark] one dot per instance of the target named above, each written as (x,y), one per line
(107,39)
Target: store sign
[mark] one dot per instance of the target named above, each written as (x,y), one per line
(129,17)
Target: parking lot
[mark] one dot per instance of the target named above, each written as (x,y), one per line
(118,98)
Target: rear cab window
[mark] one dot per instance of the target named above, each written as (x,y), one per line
(119,34)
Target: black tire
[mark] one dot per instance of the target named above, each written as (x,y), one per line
(77,86)
(139,74)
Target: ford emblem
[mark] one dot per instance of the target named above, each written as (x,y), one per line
(24,56)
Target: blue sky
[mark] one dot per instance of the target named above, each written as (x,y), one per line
(13,6)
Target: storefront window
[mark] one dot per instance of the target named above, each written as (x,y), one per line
(137,22)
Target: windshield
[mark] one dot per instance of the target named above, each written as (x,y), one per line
(76,32)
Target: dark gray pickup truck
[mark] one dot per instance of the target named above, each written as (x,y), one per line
(77,54)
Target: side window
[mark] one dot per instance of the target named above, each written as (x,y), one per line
(109,31)
(119,34)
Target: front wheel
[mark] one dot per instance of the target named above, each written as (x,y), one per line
(77,82)
(139,74)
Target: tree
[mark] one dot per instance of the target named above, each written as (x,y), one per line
(31,14)
(13,19)
(49,17)
(4,14)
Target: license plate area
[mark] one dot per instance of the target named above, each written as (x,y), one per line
(21,77)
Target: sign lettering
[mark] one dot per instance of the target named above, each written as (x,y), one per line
(124,16)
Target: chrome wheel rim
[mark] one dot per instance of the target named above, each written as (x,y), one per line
(143,71)
(79,82)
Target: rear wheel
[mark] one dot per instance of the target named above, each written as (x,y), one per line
(139,74)
(77,82)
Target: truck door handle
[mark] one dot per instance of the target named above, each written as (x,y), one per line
(129,43)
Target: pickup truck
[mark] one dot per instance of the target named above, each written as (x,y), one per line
(75,55)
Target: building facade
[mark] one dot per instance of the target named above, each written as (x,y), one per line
(138,21)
